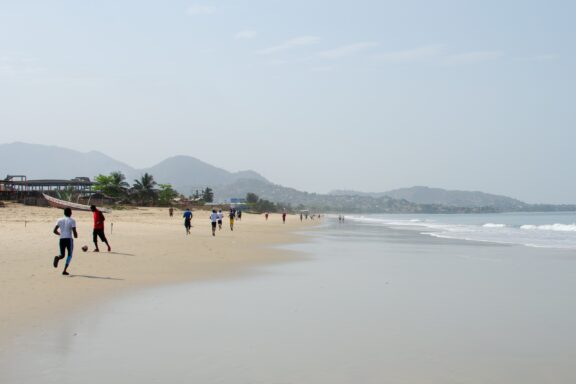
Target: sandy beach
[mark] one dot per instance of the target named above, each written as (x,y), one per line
(357,302)
(148,248)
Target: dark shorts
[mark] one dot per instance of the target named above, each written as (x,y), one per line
(213,224)
(220,222)
(66,244)
(98,233)
(187,223)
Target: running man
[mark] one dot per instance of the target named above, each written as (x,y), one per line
(99,229)
(266,216)
(214,219)
(284,217)
(220,217)
(232,215)
(65,228)
(187,220)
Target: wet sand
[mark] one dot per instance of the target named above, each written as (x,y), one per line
(149,248)
(367,305)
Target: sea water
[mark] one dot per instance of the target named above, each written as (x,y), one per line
(546,230)
(375,300)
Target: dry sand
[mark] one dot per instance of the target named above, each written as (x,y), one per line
(148,248)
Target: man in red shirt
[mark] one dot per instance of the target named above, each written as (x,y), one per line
(98,228)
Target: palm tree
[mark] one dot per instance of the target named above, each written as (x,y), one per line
(112,185)
(145,188)
(118,183)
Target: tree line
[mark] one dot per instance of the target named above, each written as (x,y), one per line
(144,191)
(259,205)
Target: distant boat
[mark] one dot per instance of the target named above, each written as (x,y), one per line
(57,203)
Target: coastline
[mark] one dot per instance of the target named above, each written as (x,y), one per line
(149,248)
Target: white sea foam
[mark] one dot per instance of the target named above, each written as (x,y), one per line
(542,235)
(492,225)
(551,227)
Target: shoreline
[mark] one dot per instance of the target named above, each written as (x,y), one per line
(149,249)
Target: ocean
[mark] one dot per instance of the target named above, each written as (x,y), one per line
(545,230)
(468,299)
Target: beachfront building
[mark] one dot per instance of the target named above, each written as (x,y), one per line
(15,187)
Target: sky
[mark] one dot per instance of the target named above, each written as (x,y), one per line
(317,95)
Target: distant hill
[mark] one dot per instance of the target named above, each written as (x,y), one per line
(426,195)
(328,203)
(185,173)
(51,162)
(439,196)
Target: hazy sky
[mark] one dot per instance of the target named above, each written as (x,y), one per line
(316,95)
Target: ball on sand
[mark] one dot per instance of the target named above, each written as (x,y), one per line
(85,248)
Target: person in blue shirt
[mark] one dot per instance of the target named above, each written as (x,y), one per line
(187,220)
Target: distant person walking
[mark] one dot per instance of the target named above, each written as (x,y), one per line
(214,220)
(187,220)
(232,215)
(239,213)
(65,228)
(99,229)
(220,217)
(171,211)
(301,216)
(266,216)
(284,217)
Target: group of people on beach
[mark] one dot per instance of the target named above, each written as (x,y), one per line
(305,215)
(65,229)
(216,218)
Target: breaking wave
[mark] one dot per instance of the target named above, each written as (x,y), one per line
(512,230)
(551,227)
(492,225)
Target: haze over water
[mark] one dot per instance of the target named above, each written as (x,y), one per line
(369,304)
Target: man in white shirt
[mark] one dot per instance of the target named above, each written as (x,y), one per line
(65,228)
(214,219)
(220,217)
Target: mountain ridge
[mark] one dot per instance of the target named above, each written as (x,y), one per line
(51,161)
(440,196)
(187,173)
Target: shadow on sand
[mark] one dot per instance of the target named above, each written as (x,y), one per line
(96,277)
(117,253)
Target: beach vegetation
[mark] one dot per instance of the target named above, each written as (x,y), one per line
(113,185)
(144,189)
(208,195)
(258,205)
(66,194)
(166,194)
(252,198)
